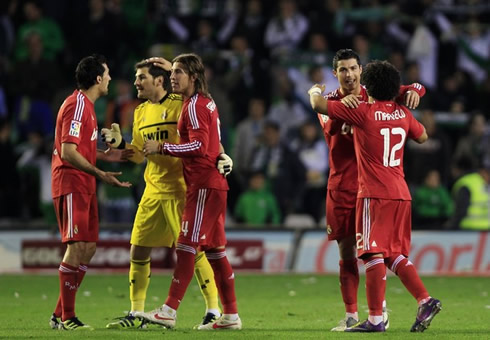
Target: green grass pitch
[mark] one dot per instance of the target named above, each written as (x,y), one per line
(271,307)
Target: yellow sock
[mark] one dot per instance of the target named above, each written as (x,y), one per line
(205,276)
(139,280)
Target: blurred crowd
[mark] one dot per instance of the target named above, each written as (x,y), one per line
(261,58)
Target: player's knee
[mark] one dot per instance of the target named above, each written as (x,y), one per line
(393,261)
(138,253)
(89,251)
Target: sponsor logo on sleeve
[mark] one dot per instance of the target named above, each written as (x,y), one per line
(75,128)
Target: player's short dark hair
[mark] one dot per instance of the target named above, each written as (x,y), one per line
(382,80)
(193,65)
(88,69)
(345,54)
(155,72)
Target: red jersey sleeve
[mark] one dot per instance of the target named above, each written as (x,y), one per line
(419,88)
(338,111)
(197,124)
(329,125)
(71,122)
(415,128)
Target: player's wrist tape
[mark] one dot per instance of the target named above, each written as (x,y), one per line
(122,145)
(316,91)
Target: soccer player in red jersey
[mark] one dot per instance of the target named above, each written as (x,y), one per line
(383,212)
(205,206)
(342,182)
(73,183)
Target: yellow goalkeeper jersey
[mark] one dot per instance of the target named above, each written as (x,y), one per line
(163,174)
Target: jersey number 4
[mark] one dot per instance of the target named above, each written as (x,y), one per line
(389,157)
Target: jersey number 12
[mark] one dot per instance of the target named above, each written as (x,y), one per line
(389,156)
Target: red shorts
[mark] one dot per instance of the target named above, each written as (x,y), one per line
(203,222)
(341,214)
(78,217)
(383,226)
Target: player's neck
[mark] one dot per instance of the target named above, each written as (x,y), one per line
(346,92)
(188,93)
(158,96)
(92,94)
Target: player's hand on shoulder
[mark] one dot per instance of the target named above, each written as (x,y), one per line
(412,99)
(151,147)
(351,101)
(225,164)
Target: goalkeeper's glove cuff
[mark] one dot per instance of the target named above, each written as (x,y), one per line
(122,145)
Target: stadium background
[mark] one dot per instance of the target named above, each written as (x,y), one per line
(259,64)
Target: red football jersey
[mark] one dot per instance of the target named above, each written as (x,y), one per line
(199,147)
(381,131)
(342,158)
(76,123)
(343,164)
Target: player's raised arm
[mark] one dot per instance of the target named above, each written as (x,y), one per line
(318,103)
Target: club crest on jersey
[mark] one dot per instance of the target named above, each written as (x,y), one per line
(164,114)
(211,106)
(75,128)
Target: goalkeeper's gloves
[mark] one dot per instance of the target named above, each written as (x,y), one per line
(225,164)
(113,137)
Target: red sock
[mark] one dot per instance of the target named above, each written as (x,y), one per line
(375,284)
(82,270)
(349,283)
(68,289)
(184,270)
(225,279)
(407,273)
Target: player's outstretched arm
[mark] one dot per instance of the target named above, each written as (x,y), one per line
(318,103)
(70,154)
(114,155)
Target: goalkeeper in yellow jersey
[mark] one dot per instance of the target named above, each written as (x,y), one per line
(158,219)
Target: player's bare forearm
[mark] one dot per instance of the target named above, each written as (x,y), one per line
(317,101)
(70,154)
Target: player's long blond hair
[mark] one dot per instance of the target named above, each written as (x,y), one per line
(193,65)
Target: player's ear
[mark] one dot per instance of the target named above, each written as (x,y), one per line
(99,79)
(159,81)
(360,68)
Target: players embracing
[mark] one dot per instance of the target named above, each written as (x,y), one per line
(383,209)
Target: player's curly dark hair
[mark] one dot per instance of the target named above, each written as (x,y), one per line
(345,54)
(88,69)
(193,65)
(155,72)
(382,80)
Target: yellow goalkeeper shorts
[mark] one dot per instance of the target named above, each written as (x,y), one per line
(157,222)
